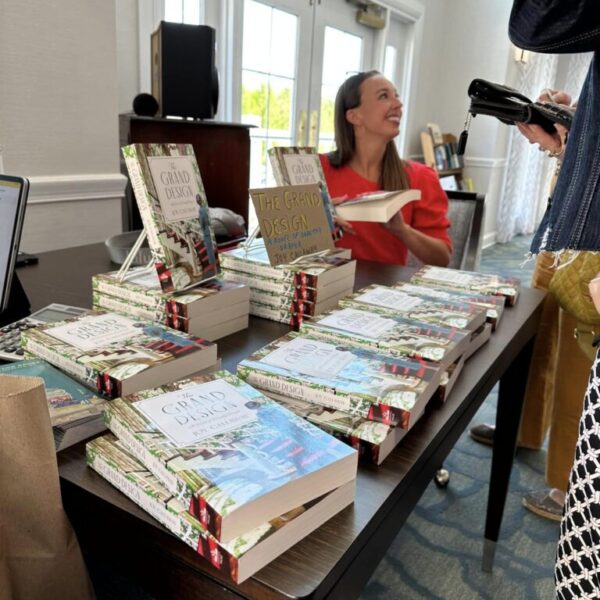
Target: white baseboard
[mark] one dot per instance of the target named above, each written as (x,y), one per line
(489,239)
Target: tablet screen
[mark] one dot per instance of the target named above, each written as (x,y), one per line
(13,195)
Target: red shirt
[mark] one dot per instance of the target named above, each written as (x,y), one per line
(373,241)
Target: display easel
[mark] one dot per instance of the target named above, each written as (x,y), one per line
(18,304)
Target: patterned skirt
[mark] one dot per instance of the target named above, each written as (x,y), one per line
(577,570)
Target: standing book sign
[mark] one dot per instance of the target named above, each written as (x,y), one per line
(292,221)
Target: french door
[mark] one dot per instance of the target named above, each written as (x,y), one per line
(295,55)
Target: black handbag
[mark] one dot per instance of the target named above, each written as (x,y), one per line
(510,106)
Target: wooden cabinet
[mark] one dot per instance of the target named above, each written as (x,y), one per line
(222,151)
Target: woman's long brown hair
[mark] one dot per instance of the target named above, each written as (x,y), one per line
(393,170)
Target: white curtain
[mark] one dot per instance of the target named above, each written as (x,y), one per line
(528,171)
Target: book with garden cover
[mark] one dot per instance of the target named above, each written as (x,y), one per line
(75,411)
(170,195)
(117,355)
(507,287)
(381,388)
(494,305)
(311,271)
(239,558)
(234,457)
(391,301)
(372,440)
(389,334)
(299,165)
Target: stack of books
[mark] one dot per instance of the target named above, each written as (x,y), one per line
(75,411)
(350,387)
(211,310)
(289,293)
(117,355)
(232,473)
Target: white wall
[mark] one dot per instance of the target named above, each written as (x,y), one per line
(58,118)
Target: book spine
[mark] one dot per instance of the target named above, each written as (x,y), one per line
(151,462)
(123,293)
(238,264)
(114,304)
(54,358)
(140,190)
(263,285)
(322,397)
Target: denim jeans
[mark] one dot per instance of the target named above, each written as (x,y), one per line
(572,221)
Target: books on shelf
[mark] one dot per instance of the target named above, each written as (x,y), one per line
(376,207)
(300,165)
(235,458)
(212,310)
(389,334)
(75,411)
(372,440)
(380,388)
(170,195)
(117,355)
(392,301)
(507,287)
(494,305)
(242,556)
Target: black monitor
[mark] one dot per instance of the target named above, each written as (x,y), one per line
(13,199)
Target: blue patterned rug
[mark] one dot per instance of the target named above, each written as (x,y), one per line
(438,552)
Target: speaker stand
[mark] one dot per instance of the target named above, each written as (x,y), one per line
(18,304)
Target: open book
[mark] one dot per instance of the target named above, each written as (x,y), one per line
(376,207)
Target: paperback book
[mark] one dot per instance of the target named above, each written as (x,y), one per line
(376,207)
(143,287)
(299,165)
(170,195)
(391,301)
(308,271)
(507,287)
(235,458)
(391,335)
(75,411)
(117,355)
(239,558)
(372,440)
(380,388)
(494,305)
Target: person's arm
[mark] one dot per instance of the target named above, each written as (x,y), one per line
(427,249)
(426,236)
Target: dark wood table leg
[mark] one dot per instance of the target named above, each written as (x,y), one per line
(508,417)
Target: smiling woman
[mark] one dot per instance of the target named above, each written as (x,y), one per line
(367,119)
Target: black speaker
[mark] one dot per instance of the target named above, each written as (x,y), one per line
(184,75)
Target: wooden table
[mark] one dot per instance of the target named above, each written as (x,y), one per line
(337,560)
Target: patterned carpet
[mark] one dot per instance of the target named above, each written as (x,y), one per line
(438,552)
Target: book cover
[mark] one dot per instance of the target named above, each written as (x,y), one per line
(391,335)
(117,355)
(305,271)
(372,440)
(68,400)
(170,195)
(508,287)
(236,458)
(142,287)
(239,558)
(381,388)
(494,305)
(299,165)
(376,207)
(392,301)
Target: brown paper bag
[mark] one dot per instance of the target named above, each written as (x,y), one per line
(39,553)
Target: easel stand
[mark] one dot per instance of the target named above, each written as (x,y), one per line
(18,304)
